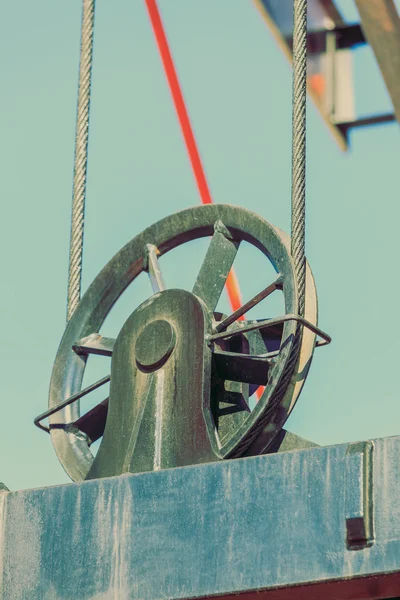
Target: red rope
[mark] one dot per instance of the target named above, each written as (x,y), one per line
(179,102)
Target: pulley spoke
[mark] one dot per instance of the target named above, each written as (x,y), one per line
(216,266)
(94,344)
(242,367)
(276,285)
(153,268)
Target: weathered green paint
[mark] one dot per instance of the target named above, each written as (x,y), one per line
(271,527)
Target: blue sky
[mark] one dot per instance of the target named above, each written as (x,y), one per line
(238,89)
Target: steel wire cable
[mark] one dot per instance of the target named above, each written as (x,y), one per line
(299,101)
(81,158)
(298,205)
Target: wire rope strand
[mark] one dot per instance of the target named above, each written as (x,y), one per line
(299,147)
(81,158)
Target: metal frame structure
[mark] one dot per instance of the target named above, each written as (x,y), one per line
(380,27)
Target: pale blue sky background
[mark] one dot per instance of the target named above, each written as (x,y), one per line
(238,89)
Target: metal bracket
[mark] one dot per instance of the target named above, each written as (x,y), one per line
(346,37)
(359,496)
(94,344)
(368,121)
(74,398)
(326,339)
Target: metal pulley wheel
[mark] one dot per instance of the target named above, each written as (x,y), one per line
(181,373)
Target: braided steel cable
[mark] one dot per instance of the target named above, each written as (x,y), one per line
(299,147)
(298,210)
(298,200)
(81,158)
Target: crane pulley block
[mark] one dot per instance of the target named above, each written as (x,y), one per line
(182,373)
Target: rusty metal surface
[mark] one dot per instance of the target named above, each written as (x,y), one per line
(381,24)
(258,526)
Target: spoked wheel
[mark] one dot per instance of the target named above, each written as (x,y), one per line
(237,356)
